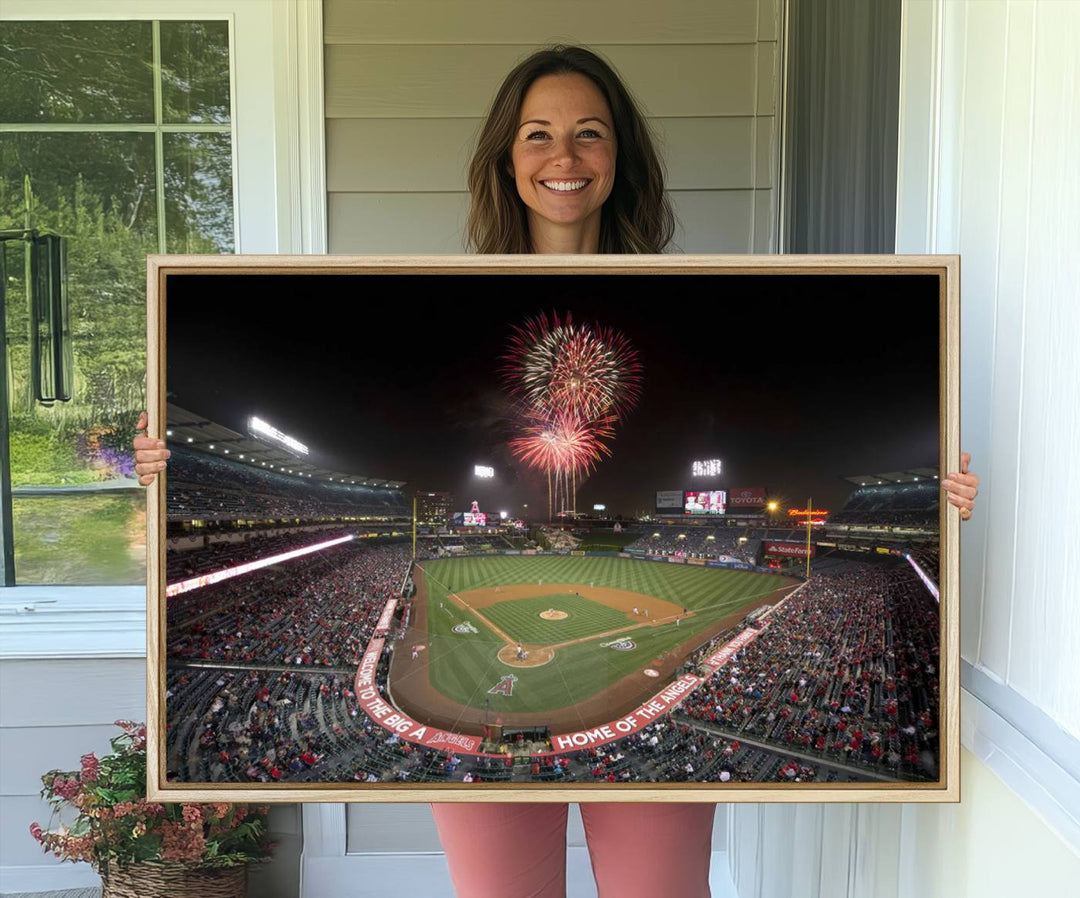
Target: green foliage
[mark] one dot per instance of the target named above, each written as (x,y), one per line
(99,190)
(42,458)
(84,539)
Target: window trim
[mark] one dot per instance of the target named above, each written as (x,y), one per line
(276,55)
(279,207)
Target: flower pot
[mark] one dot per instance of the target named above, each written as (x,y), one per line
(174,881)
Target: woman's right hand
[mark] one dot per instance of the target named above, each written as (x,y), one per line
(150,454)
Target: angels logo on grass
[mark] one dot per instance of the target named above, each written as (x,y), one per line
(505,686)
(465,629)
(620,645)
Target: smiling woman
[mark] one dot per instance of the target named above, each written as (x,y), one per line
(565,164)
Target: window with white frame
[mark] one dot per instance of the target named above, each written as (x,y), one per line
(118,137)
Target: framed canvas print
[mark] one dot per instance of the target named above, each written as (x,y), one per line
(554,528)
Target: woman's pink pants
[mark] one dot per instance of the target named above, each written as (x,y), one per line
(518,850)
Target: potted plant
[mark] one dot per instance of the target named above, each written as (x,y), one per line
(140,847)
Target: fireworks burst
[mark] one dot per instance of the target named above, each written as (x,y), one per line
(560,367)
(573,383)
(564,443)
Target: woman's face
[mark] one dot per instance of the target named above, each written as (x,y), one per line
(563,154)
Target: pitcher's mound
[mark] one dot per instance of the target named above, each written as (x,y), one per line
(534,657)
(552,614)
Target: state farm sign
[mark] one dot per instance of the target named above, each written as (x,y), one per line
(789,550)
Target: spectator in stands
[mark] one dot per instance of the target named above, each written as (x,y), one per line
(565,164)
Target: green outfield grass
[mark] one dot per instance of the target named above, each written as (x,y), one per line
(465,666)
(521,619)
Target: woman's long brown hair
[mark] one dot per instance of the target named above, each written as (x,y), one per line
(637,216)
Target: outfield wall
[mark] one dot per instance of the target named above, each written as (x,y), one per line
(724,561)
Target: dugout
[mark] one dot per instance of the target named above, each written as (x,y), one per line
(526,734)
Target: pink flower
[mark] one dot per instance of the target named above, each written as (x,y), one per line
(181,842)
(89,767)
(36,831)
(192,814)
(123,808)
(65,788)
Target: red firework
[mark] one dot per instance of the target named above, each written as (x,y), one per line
(563,444)
(559,367)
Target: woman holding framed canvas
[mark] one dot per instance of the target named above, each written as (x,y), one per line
(565,164)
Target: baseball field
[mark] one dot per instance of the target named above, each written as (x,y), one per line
(558,641)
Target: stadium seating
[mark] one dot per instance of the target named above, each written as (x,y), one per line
(206,488)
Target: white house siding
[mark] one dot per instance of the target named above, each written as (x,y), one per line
(989,142)
(408,83)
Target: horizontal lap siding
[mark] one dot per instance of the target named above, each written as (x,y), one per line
(460,81)
(522,22)
(408,84)
(53,712)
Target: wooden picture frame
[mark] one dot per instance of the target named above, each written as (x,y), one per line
(917,296)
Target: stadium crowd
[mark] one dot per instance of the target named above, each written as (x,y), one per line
(903,505)
(202,487)
(316,610)
(182,563)
(845,669)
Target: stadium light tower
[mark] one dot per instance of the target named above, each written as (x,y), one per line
(263,431)
(484,472)
(708,467)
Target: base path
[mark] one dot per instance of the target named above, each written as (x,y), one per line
(411,689)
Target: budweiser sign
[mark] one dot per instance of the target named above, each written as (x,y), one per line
(747,497)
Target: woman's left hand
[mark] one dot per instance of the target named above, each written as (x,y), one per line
(962,487)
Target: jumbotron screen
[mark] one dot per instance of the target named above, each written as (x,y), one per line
(474,519)
(705,502)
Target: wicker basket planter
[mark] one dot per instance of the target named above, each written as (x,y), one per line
(149,880)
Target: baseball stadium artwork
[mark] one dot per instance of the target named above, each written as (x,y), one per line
(552,528)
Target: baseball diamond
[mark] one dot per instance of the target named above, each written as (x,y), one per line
(580,666)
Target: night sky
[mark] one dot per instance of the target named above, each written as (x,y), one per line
(793,381)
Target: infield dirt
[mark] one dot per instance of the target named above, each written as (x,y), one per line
(412,692)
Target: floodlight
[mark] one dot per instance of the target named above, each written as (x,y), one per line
(710,467)
(258,427)
(483,471)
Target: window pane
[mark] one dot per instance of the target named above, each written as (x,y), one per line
(81,539)
(198,193)
(76,72)
(97,190)
(195,72)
